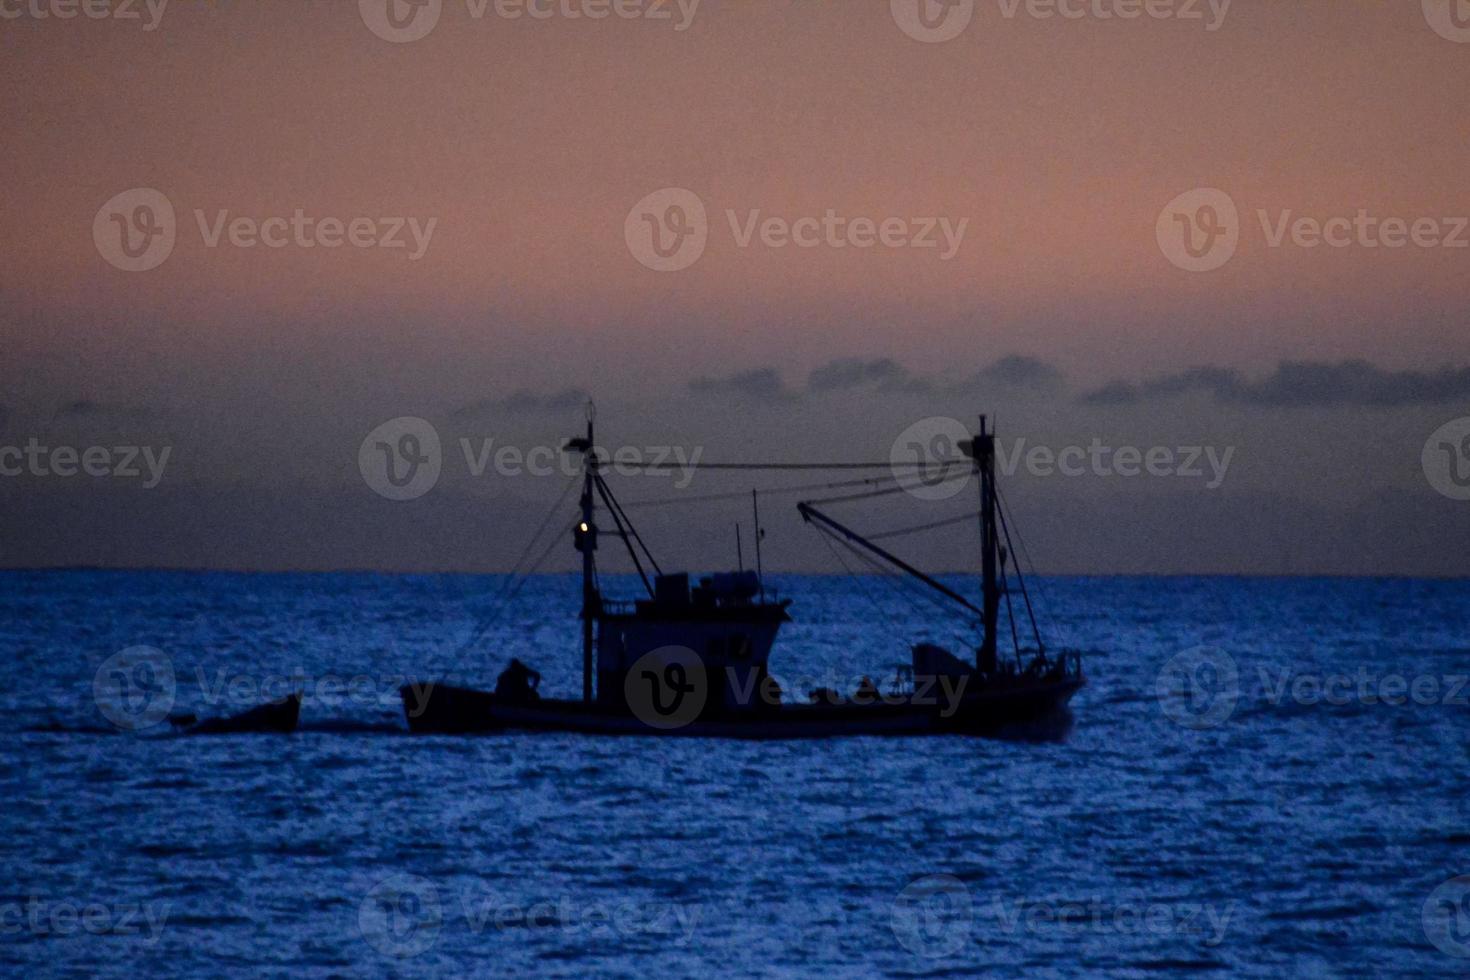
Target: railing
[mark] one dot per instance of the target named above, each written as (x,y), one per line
(629,607)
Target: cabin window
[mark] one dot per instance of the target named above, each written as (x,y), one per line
(740,646)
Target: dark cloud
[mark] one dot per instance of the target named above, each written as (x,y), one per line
(764,383)
(1298,384)
(526,403)
(1112,393)
(81,409)
(887,375)
(851,372)
(1353,383)
(1021,371)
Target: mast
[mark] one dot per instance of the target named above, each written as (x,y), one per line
(586,541)
(760,572)
(982,449)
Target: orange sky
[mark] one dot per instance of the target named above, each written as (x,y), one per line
(529,141)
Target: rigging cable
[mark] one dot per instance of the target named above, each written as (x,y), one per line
(509,587)
(900,583)
(1020,578)
(831,540)
(947,522)
(773,467)
(612,509)
(742,494)
(620,517)
(520,583)
(901,488)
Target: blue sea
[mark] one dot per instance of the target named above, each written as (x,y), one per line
(1263,777)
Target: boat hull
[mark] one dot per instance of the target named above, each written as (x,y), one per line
(443,710)
(277,718)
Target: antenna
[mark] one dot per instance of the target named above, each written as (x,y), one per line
(739,555)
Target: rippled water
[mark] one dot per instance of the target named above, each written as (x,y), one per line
(1235,825)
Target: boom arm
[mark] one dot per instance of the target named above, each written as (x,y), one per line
(810,513)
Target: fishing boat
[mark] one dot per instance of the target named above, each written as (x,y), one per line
(275,717)
(691,657)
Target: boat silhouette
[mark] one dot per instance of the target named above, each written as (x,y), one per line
(275,717)
(691,658)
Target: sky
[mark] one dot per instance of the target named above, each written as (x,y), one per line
(773,229)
